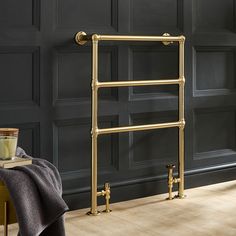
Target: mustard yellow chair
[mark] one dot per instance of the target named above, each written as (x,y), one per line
(7,210)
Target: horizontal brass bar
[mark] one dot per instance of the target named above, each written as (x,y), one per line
(139,38)
(137,83)
(81,38)
(139,127)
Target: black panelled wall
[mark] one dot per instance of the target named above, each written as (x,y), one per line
(45,90)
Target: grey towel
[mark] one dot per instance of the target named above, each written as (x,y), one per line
(36,192)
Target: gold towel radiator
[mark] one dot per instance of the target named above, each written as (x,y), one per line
(81,38)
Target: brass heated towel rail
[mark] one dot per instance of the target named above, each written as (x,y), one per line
(81,38)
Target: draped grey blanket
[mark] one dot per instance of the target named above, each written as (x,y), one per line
(36,192)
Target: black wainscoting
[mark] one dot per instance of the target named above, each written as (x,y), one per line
(45,90)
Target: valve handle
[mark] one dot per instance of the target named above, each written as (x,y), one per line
(171,166)
(107,186)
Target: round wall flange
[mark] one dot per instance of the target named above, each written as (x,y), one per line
(79,38)
(166,42)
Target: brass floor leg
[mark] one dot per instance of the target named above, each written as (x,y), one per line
(181,163)
(5,219)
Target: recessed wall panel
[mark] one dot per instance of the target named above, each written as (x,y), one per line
(215,68)
(156,15)
(214,15)
(19,14)
(158,146)
(73,74)
(214,130)
(19,72)
(100,15)
(148,63)
(73,142)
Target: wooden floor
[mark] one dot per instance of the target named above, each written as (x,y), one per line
(209,210)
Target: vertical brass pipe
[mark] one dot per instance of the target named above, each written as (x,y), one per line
(5,219)
(181,118)
(94,134)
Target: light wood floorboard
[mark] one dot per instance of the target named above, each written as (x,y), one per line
(207,211)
